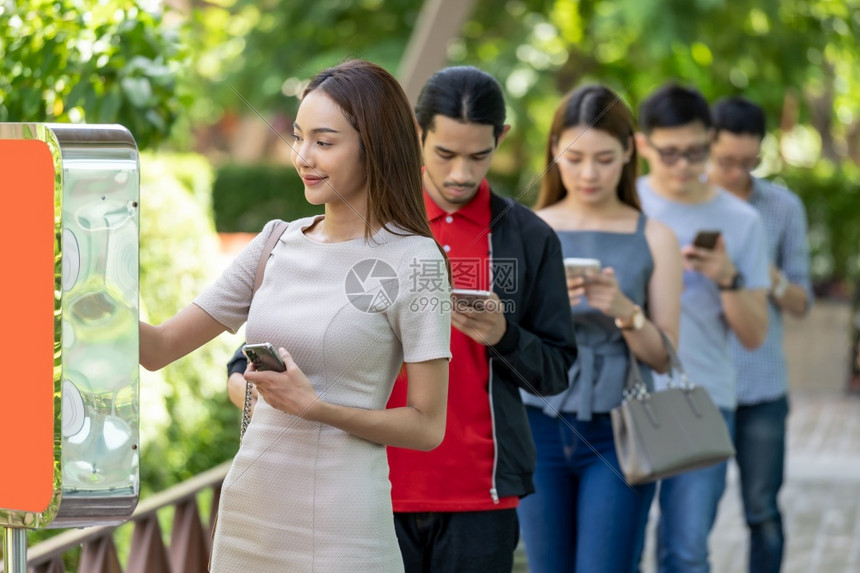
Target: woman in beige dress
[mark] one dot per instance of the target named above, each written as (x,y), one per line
(347,297)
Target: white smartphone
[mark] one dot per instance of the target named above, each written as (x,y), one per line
(264,356)
(577,267)
(470,297)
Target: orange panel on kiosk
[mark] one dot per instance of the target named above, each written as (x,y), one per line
(27,219)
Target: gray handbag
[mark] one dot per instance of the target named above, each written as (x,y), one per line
(667,432)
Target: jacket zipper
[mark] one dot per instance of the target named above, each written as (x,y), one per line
(494,494)
(493,491)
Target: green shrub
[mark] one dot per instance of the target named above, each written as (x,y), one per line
(831,195)
(192,171)
(187,422)
(246,197)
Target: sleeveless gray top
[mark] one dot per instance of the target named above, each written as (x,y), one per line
(598,376)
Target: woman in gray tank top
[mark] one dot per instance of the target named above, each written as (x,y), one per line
(584,517)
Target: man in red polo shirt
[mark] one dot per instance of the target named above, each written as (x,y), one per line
(455,506)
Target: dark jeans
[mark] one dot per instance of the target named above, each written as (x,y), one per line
(760,445)
(458,542)
(583,517)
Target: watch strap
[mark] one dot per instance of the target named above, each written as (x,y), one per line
(737,282)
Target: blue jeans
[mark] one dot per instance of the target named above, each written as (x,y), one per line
(688,509)
(760,443)
(583,517)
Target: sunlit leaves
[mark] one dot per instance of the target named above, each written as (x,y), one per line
(105,62)
(265,50)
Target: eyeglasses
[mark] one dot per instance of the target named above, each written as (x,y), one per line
(672,155)
(744,163)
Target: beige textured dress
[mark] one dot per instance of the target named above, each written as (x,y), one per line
(303,496)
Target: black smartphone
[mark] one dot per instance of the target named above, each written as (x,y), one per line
(706,239)
(264,356)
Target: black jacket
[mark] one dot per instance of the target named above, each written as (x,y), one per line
(538,346)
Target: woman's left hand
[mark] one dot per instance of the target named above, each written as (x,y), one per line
(602,293)
(289,391)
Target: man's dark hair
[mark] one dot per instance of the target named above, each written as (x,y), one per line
(465,94)
(673,105)
(739,116)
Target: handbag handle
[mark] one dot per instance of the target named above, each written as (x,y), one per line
(676,369)
(635,387)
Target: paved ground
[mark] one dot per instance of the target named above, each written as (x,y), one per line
(821,497)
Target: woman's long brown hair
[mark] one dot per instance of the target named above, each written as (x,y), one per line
(595,107)
(376,106)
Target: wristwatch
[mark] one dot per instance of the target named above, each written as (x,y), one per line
(635,322)
(782,284)
(737,282)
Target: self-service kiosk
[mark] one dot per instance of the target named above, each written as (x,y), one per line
(69,407)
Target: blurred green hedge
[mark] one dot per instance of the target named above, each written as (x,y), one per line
(831,194)
(188,424)
(246,197)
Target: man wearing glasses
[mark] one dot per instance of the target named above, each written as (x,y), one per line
(725,286)
(762,379)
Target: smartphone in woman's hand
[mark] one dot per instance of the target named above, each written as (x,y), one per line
(264,357)
(577,267)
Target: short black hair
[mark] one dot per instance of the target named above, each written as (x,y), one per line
(463,93)
(738,115)
(673,105)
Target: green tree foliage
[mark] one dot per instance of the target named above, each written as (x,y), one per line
(797,58)
(762,49)
(100,62)
(266,50)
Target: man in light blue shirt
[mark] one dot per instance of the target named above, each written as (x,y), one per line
(725,287)
(762,392)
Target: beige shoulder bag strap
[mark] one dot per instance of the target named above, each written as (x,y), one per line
(276,233)
(272,240)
